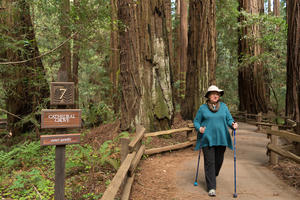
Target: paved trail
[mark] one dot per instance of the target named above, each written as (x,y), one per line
(171,176)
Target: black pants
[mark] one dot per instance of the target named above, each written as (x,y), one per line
(213,159)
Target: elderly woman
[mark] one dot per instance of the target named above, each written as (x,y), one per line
(211,122)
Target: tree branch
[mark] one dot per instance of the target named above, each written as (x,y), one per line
(51,51)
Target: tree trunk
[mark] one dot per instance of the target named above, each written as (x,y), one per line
(251,78)
(76,49)
(276,4)
(65,72)
(201,55)
(24,83)
(129,64)
(145,65)
(177,49)
(160,65)
(293,62)
(183,44)
(114,56)
(269,7)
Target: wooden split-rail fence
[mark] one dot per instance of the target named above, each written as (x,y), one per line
(283,139)
(133,150)
(131,154)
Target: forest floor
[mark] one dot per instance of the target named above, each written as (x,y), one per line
(171,175)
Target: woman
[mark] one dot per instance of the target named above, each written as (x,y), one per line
(213,137)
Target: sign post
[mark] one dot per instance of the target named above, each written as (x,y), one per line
(61,93)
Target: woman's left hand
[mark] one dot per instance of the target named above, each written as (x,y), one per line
(235,125)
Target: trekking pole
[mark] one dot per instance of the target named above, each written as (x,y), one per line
(196,183)
(234,152)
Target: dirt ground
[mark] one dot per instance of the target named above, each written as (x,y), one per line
(171,175)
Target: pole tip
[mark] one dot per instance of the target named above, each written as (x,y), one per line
(195,184)
(234,195)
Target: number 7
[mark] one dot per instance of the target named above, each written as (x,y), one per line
(64,91)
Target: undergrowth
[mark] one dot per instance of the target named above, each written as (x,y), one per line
(28,169)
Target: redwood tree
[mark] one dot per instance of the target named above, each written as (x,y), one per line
(201,55)
(293,62)
(276,5)
(24,82)
(129,63)
(65,70)
(251,78)
(145,64)
(183,44)
(114,56)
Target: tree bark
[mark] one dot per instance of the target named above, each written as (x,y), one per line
(251,78)
(201,55)
(177,49)
(161,91)
(145,65)
(293,62)
(65,71)
(276,5)
(76,59)
(25,84)
(183,44)
(114,56)
(129,63)
(269,7)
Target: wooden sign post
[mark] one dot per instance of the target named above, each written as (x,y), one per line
(61,93)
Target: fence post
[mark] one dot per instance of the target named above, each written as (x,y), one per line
(274,141)
(297,131)
(124,148)
(259,119)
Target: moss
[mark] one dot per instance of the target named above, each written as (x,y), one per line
(161,109)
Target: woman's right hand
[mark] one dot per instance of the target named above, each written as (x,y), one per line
(202,129)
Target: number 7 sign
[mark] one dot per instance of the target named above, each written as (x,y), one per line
(62,93)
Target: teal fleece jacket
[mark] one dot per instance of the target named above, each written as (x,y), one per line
(216,132)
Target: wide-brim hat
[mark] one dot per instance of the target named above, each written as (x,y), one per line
(214,88)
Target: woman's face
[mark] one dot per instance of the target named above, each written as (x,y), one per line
(214,97)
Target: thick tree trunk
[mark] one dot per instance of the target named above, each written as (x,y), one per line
(251,79)
(114,56)
(25,84)
(65,71)
(201,55)
(161,91)
(129,64)
(145,65)
(293,62)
